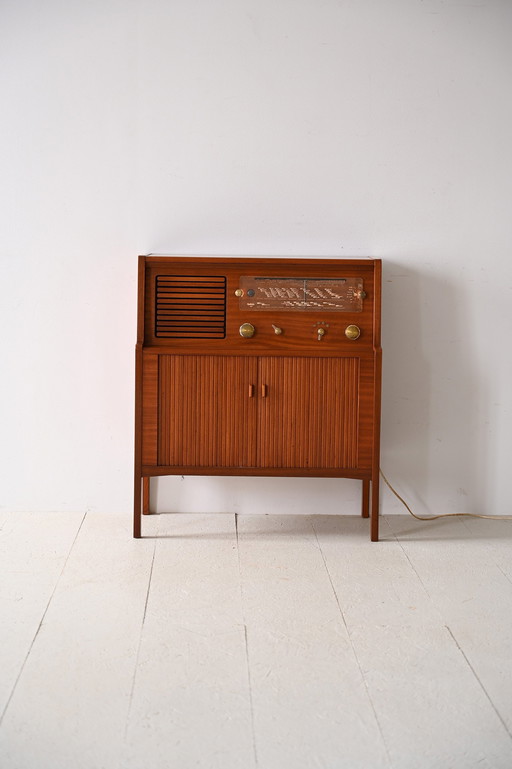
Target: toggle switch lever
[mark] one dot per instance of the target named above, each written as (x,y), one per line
(320,332)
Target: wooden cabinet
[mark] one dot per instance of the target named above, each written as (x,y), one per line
(253,367)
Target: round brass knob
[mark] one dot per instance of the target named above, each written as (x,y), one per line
(247,330)
(352,332)
(239,292)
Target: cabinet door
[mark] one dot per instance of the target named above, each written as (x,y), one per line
(206,411)
(309,412)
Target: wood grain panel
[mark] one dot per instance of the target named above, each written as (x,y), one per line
(149,409)
(299,331)
(206,412)
(310,415)
(366,413)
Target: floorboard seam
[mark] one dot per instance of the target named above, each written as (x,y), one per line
(404,551)
(503,572)
(57,581)
(139,646)
(251,704)
(363,678)
(470,666)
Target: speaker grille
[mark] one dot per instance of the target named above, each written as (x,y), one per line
(192,307)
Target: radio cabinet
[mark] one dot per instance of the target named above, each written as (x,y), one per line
(258,367)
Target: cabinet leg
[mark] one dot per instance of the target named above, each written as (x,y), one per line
(137,504)
(365,507)
(145,495)
(374,524)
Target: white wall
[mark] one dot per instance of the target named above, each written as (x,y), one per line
(290,127)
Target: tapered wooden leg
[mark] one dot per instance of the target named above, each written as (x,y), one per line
(145,495)
(374,524)
(365,506)
(137,495)
(137,503)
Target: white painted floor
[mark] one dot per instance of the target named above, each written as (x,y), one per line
(292,642)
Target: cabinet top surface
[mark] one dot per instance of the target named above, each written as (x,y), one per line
(255,260)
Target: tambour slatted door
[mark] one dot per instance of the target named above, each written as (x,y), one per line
(258,367)
(309,415)
(206,411)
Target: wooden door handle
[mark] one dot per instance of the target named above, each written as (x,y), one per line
(263,390)
(251,391)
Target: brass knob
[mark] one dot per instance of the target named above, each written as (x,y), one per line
(320,332)
(277,330)
(247,330)
(239,292)
(352,332)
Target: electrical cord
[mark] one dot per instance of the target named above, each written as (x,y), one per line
(442,515)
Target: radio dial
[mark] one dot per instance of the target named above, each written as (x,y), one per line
(247,330)
(352,332)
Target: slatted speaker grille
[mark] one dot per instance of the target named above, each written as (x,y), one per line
(190,306)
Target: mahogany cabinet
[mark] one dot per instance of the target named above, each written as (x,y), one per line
(251,366)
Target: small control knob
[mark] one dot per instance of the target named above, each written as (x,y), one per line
(277,329)
(247,330)
(320,333)
(352,332)
(239,292)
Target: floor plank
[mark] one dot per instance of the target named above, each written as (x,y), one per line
(311,706)
(495,538)
(69,708)
(191,704)
(465,575)
(431,707)
(33,551)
